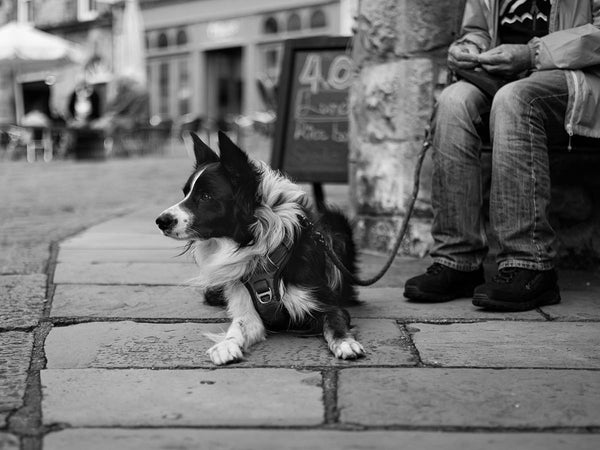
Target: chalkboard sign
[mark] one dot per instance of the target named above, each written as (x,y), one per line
(311,133)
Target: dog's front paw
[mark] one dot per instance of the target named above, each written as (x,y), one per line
(347,348)
(225,352)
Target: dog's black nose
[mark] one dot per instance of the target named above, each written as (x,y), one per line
(166,221)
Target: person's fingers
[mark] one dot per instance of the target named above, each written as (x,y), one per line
(462,54)
(493,57)
(495,69)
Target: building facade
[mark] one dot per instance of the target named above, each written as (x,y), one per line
(212,58)
(207,58)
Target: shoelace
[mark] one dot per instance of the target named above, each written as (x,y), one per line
(506,275)
(435,268)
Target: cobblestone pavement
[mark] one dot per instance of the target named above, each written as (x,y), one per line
(119,362)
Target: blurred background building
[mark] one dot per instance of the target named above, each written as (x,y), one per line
(214,59)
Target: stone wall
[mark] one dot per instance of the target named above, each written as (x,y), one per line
(400,49)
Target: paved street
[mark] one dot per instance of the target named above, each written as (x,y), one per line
(123,365)
(117,360)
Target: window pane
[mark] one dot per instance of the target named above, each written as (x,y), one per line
(182,37)
(294,23)
(163,41)
(271,26)
(318,19)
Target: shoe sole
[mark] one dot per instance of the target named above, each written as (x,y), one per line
(545,299)
(414,294)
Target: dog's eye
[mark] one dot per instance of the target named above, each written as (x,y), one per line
(205,196)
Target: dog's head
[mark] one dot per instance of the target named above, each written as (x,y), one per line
(219,197)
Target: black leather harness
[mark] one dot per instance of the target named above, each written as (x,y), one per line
(263,287)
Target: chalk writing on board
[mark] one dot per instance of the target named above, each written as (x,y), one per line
(311,134)
(321,107)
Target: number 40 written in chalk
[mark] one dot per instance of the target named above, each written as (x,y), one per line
(338,76)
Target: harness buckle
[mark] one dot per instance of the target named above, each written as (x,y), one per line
(268,294)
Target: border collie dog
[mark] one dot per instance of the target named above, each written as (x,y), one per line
(243,220)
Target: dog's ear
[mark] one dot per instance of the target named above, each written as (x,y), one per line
(244,181)
(233,159)
(203,153)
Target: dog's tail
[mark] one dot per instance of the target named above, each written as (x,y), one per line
(337,226)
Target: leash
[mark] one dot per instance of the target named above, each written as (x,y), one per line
(320,239)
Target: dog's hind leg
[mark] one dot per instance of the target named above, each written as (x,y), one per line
(336,329)
(246,327)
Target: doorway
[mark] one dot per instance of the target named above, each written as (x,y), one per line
(224,86)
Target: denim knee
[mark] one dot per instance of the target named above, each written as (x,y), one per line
(515,99)
(460,101)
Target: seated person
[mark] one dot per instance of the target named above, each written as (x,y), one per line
(84,105)
(548,54)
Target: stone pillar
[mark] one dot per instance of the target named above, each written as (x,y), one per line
(400,50)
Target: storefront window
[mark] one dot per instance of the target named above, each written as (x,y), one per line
(184,93)
(318,19)
(293,22)
(163,88)
(270,26)
(271,60)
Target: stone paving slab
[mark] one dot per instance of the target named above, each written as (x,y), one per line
(509,344)
(140,223)
(125,398)
(576,305)
(148,302)
(402,269)
(230,439)
(22,300)
(514,398)
(121,240)
(8,442)
(389,302)
(15,353)
(183,345)
(87,256)
(125,273)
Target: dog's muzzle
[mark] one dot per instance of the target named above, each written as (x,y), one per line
(166,222)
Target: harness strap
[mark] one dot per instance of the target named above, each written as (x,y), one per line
(263,287)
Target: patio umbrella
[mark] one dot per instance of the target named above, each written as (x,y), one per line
(23,48)
(130,49)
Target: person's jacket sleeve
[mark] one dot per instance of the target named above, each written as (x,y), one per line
(573,48)
(475,26)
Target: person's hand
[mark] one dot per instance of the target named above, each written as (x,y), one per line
(506,60)
(463,56)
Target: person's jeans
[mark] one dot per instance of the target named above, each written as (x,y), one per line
(524,116)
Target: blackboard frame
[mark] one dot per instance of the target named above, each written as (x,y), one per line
(286,84)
